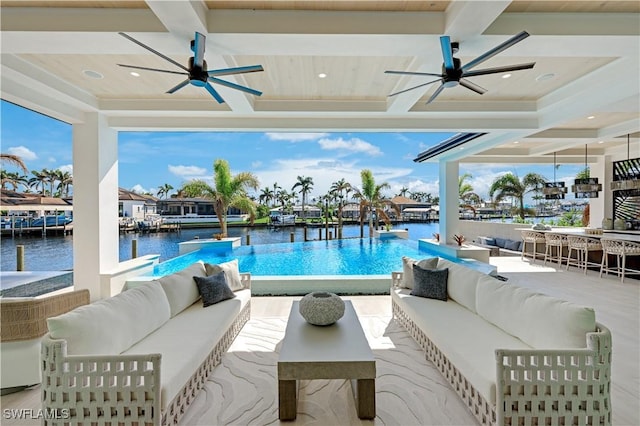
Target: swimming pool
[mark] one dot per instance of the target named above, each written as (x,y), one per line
(334,257)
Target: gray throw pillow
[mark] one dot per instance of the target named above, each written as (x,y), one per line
(214,289)
(430,283)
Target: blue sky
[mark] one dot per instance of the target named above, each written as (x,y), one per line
(150,159)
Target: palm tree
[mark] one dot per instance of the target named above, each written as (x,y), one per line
(65,180)
(509,185)
(266,195)
(14,160)
(14,179)
(371,199)
(403,191)
(305,184)
(164,190)
(339,190)
(229,191)
(466,194)
(39,179)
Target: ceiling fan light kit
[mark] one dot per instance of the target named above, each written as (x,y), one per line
(454,73)
(197,73)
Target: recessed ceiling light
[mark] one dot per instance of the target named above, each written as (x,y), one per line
(135,74)
(92,74)
(544,77)
(516,141)
(322,75)
(506,76)
(591,117)
(600,141)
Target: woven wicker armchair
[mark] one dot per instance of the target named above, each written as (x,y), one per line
(23,321)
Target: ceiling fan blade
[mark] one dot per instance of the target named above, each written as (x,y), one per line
(447,54)
(213,92)
(497,70)
(198,49)
(178,86)
(472,86)
(413,73)
(235,86)
(153,69)
(152,50)
(415,87)
(436,93)
(499,48)
(236,70)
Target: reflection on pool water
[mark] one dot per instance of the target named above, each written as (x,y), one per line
(334,257)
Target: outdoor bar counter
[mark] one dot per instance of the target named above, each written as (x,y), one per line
(633,262)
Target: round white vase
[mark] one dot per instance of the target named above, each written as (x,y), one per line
(321,308)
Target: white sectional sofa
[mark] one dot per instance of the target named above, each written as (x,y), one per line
(515,357)
(141,356)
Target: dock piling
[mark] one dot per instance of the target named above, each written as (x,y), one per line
(20,258)
(134,248)
(248,239)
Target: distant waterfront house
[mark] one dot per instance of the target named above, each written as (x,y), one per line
(183,206)
(133,205)
(21,204)
(414,210)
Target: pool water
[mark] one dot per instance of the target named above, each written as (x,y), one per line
(334,257)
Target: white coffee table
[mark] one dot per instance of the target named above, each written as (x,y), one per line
(338,351)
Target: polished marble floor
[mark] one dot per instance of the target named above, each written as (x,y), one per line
(409,389)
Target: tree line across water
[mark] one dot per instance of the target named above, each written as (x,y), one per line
(235,191)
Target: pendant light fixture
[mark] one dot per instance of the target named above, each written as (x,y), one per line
(626,174)
(554,190)
(586,187)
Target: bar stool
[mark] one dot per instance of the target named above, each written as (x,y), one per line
(621,249)
(582,247)
(558,241)
(534,238)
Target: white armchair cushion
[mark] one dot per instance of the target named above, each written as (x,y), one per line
(462,283)
(180,287)
(231,271)
(111,326)
(541,321)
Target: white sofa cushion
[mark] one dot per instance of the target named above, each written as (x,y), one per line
(465,339)
(407,268)
(462,283)
(231,271)
(180,287)
(110,326)
(187,339)
(541,321)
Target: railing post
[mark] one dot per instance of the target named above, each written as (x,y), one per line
(248,239)
(134,249)
(292,236)
(20,258)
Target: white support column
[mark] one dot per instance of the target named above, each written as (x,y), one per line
(449,205)
(602,207)
(95,203)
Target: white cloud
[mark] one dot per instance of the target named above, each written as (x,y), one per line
(138,189)
(256,164)
(23,152)
(66,168)
(351,145)
(51,159)
(324,172)
(295,137)
(188,172)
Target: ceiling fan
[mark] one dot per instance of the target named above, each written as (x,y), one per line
(453,73)
(197,73)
